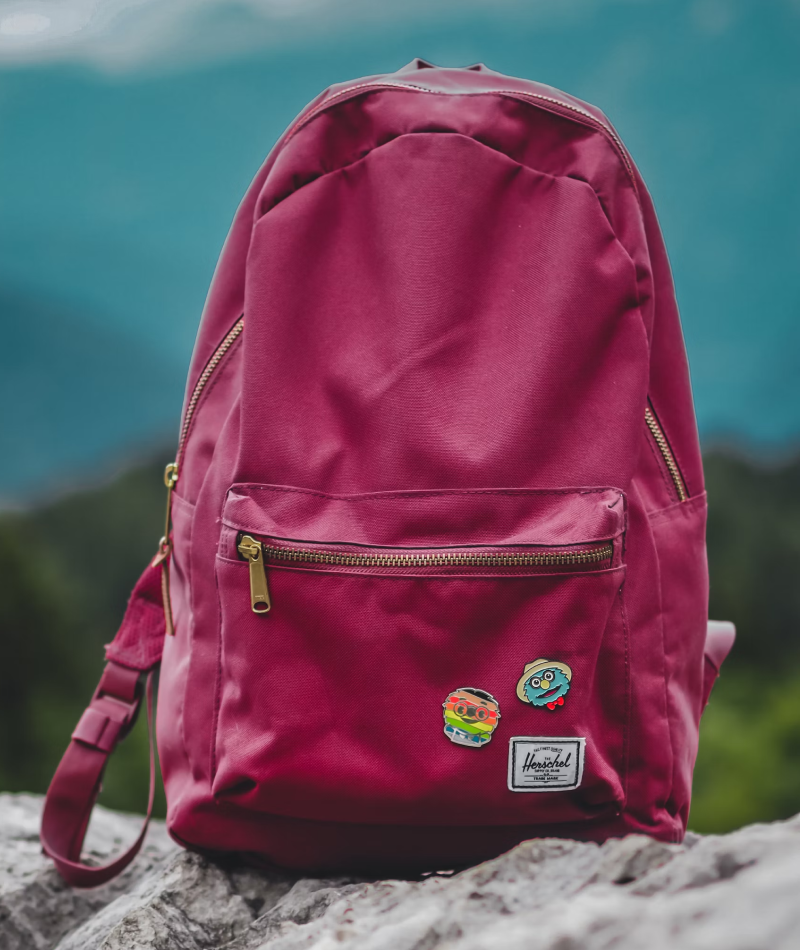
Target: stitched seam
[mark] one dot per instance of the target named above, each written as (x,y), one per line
(607,820)
(217,685)
(191,514)
(442,493)
(496,151)
(537,100)
(388,573)
(663,802)
(628,697)
(345,96)
(681,508)
(511,546)
(218,672)
(469,138)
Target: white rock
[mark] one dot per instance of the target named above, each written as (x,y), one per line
(737,892)
(36,907)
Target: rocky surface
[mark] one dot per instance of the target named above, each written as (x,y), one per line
(738,892)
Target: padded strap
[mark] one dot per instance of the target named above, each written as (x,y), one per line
(77,781)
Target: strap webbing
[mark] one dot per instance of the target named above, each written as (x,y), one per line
(77,781)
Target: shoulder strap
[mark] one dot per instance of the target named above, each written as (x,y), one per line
(77,781)
(134,652)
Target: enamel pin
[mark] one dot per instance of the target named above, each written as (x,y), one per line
(544,683)
(470,717)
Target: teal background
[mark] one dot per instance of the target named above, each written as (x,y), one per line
(118,181)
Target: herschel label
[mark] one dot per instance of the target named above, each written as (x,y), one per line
(545,764)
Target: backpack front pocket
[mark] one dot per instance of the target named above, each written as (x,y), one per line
(422,657)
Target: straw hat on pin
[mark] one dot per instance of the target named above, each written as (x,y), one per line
(531,669)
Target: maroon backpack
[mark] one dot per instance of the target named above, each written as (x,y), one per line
(435,580)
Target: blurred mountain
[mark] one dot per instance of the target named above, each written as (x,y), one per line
(127,146)
(75,394)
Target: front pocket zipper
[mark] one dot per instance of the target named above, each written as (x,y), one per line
(382,605)
(253,552)
(257,553)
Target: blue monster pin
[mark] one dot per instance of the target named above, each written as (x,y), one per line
(544,683)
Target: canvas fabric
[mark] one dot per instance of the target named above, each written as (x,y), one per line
(450,349)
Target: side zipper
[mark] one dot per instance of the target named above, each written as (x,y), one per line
(172,471)
(165,547)
(666,453)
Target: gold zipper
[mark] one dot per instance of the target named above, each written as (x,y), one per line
(253,552)
(165,547)
(666,452)
(257,553)
(230,338)
(172,471)
(455,559)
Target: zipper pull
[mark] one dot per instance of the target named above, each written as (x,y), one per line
(253,552)
(165,547)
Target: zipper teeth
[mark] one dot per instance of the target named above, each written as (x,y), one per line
(616,140)
(231,337)
(350,91)
(551,559)
(515,93)
(666,452)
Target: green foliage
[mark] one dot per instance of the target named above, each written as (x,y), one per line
(749,764)
(754,557)
(39,622)
(748,767)
(67,569)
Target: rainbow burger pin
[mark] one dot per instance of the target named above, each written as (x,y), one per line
(544,683)
(470,717)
